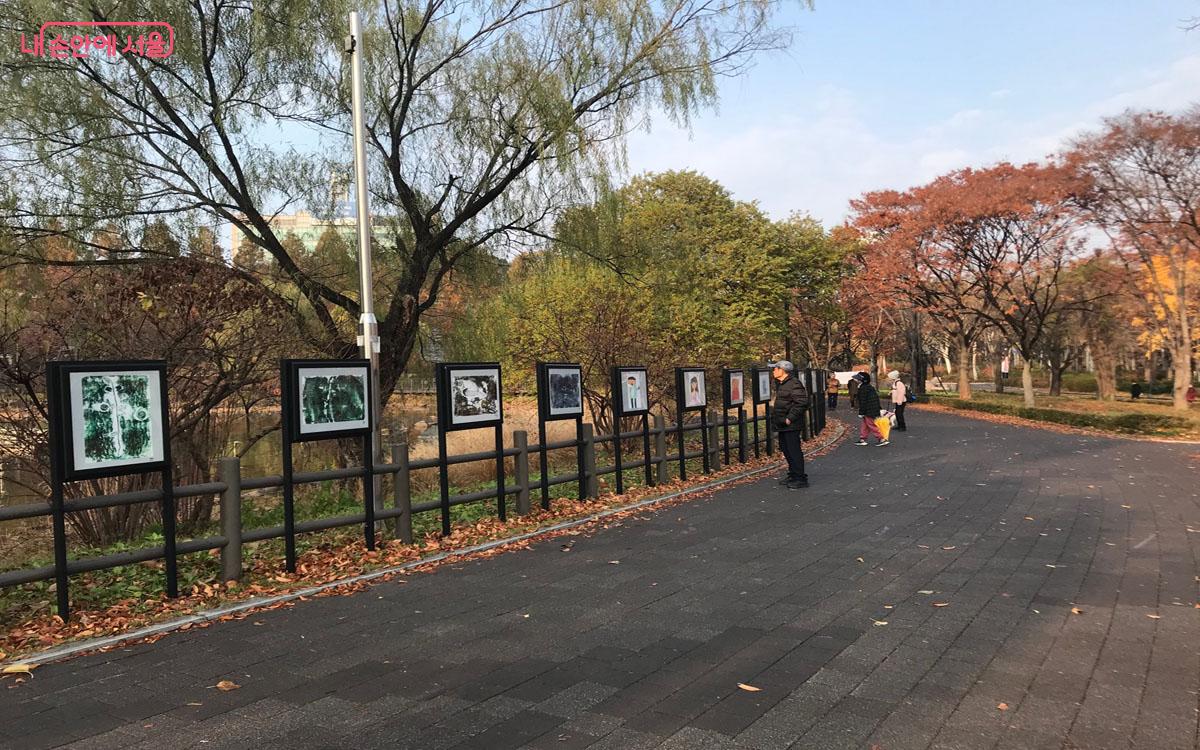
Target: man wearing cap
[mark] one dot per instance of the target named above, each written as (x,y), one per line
(787,415)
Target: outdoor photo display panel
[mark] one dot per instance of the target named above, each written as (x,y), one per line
(470,395)
(735,388)
(327,398)
(691,386)
(629,391)
(560,390)
(114,417)
(762,385)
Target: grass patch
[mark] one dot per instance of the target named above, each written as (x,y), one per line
(1126,419)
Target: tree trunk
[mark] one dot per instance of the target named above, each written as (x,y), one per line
(1104,364)
(964,367)
(1027,380)
(997,376)
(1183,377)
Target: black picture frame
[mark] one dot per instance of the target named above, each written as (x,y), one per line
(447,373)
(620,374)
(729,377)
(759,396)
(682,376)
(290,390)
(70,443)
(545,373)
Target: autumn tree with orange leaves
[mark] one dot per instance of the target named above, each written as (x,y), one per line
(1144,169)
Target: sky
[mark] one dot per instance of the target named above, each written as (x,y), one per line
(876,94)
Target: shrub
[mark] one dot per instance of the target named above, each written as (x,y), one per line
(1136,424)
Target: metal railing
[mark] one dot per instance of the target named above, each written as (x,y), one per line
(231,485)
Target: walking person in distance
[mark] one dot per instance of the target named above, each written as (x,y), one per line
(787,415)
(899,399)
(868,410)
(852,390)
(831,390)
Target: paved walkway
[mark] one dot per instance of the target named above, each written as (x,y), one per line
(637,637)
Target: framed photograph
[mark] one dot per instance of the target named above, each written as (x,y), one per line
(326,398)
(735,388)
(113,417)
(762,385)
(560,390)
(629,391)
(469,395)
(690,385)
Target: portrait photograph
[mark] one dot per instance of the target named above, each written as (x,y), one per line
(632,397)
(692,386)
(734,388)
(764,386)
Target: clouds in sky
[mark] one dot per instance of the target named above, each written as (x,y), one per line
(834,148)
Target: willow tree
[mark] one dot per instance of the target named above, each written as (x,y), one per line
(482,120)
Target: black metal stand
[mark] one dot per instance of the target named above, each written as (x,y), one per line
(578,460)
(289,491)
(704,439)
(620,474)
(443,478)
(741,434)
(646,449)
(542,458)
(56,495)
(501,511)
(168,514)
(755,421)
(725,433)
(368,493)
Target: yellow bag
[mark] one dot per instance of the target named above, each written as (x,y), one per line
(885,426)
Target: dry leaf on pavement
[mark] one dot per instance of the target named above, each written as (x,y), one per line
(1002,706)
(941,604)
(19,669)
(1076,611)
(748,688)
(226,685)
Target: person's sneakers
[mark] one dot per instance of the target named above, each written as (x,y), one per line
(882,443)
(797,484)
(785,480)
(861,442)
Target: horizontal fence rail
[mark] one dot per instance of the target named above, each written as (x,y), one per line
(662,446)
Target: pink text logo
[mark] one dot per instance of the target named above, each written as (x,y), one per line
(82,38)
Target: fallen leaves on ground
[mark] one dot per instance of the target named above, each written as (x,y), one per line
(941,604)
(1154,617)
(749,688)
(25,669)
(1076,611)
(226,685)
(1002,706)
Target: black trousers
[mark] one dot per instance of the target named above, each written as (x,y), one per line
(900,416)
(789,443)
(833,400)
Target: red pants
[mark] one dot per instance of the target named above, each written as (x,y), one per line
(868,427)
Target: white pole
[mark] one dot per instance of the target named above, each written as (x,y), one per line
(368,337)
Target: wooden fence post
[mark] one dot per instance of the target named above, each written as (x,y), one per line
(521,464)
(230,469)
(402,493)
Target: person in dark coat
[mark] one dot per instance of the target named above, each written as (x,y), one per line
(1135,391)
(868,410)
(852,391)
(787,417)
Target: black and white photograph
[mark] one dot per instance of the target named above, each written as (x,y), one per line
(472,395)
(563,390)
(114,418)
(326,398)
(735,388)
(630,391)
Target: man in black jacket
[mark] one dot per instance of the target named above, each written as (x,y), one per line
(787,417)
